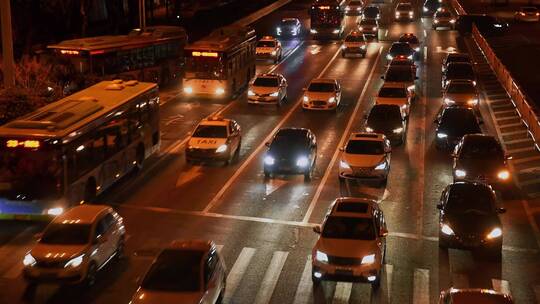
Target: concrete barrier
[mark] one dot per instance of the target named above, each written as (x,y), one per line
(261,13)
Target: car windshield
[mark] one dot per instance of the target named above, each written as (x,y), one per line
(354,38)
(369,147)
(482,148)
(460,71)
(393,92)
(385,113)
(459,122)
(266,43)
(175,271)
(409,39)
(288,22)
(371,11)
(529,9)
(350,228)
(442,14)
(66,234)
(400,48)
(288,140)
(461,88)
(404,7)
(368,22)
(209,131)
(399,75)
(266,82)
(401,62)
(465,198)
(321,87)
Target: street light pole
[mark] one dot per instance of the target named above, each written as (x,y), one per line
(8,64)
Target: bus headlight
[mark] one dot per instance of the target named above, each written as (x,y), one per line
(494,233)
(220,91)
(269,160)
(55,211)
(446,229)
(188,90)
(29,260)
(503,175)
(75,262)
(221,149)
(302,161)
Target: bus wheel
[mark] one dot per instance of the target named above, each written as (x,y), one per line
(90,191)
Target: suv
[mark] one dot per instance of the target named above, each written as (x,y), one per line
(487,25)
(354,43)
(400,49)
(352,243)
(452,124)
(389,120)
(322,94)
(269,48)
(185,272)
(215,139)
(443,18)
(392,93)
(291,151)
(289,27)
(75,245)
(365,156)
(268,89)
(404,11)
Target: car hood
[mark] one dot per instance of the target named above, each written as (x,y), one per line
(291,152)
(348,248)
(48,252)
(319,95)
(472,222)
(383,126)
(263,90)
(460,98)
(265,49)
(362,160)
(206,143)
(477,166)
(143,296)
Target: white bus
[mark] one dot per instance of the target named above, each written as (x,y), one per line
(221,64)
(70,151)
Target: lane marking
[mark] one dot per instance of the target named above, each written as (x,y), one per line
(237,272)
(342,293)
(425,34)
(422,152)
(389,270)
(216,199)
(219,248)
(385,33)
(460,280)
(303,291)
(275,66)
(501,286)
(425,53)
(344,137)
(274,184)
(421,286)
(271,277)
(188,176)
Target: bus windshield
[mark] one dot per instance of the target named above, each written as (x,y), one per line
(204,67)
(326,17)
(28,174)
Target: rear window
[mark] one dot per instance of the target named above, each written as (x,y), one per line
(354,38)
(409,39)
(352,207)
(529,9)
(400,48)
(399,75)
(266,44)
(404,7)
(175,271)
(385,112)
(393,92)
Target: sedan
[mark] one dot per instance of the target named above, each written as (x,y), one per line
(527,14)
(458,71)
(452,124)
(388,119)
(403,49)
(461,93)
(369,27)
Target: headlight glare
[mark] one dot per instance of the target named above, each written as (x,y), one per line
(331,99)
(398,130)
(368,259)
(473,102)
(220,91)
(55,211)
(381,166)
(221,148)
(494,233)
(75,262)
(441,135)
(305,98)
(321,256)
(446,229)
(188,90)
(503,174)
(368,129)
(344,165)
(251,93)
(29,260)
(269,160)
(302,161)
(460,173)
(275,94)
(448,101)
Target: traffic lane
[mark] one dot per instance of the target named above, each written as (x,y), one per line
(251,196)
(177,185)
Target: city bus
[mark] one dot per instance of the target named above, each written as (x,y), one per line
(327,18)
(221,64)
(154,54)
(70,151)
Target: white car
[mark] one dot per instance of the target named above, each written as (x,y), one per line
(187,272)
(354,43)
(322,94)
(267,89)
(75,246)
(365,156)
(269,48)
(391,93)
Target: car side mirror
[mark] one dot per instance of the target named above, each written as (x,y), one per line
(317,229)
(267,144)
(501,210)
(439,206)
(383,232)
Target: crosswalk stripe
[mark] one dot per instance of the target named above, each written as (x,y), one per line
(271,277)
(460,280)
(501,286)
(237,272)
(342,293)
(421,286)
(389,269)
(303,291)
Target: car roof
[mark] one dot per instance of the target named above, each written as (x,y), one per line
(323,80)
(81,214)
(353,207)
(474,295)
(196,244)
(215,121)
(367,136)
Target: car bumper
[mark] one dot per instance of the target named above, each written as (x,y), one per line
(262,99)
(202,155)
(46,275)
(265,56)
(366,174)
(354,50)
(326,106)
(404,17)
(370,33)
(455,241)
(286,169)
(443,24)
(331,272)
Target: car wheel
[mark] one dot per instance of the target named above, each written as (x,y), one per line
(91,275)
(267,175)
(236,156)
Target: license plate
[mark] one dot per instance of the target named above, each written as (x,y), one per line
(344,271)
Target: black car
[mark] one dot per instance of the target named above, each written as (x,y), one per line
(469,218)
(371,12)
(452,124)
(455,57)
(402,49)
(388,119)
(291,151)
(487,25)
(458,71)
(479,157)
(430,7)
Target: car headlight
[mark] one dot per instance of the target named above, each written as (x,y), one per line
(448,101)
(335,31)
(368,259)
(55,211)
(75,262)
(497,25)
(305,98)
(503,174)
(436,21)
(188,90)
(363,47)
(474,82)
(411,88)
(361,28)
(410,57)
(473,102)
(389,57)
(374,28)
(278,29)
(344,165)
(343,47)
(274,53)
(452,20)
(332,99)
(347,9)
(29,260)
(446,229)
(381,166)
(302,161)
(495,233)
(441,135)
(251,93)
(397,14)
(358,8)
(425,9)
(220,91)
(411,14)
(269,160)
(397,130)
(368,129)
(221,148)
(313,31)
(275,94)
(321,256)
(460,173)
